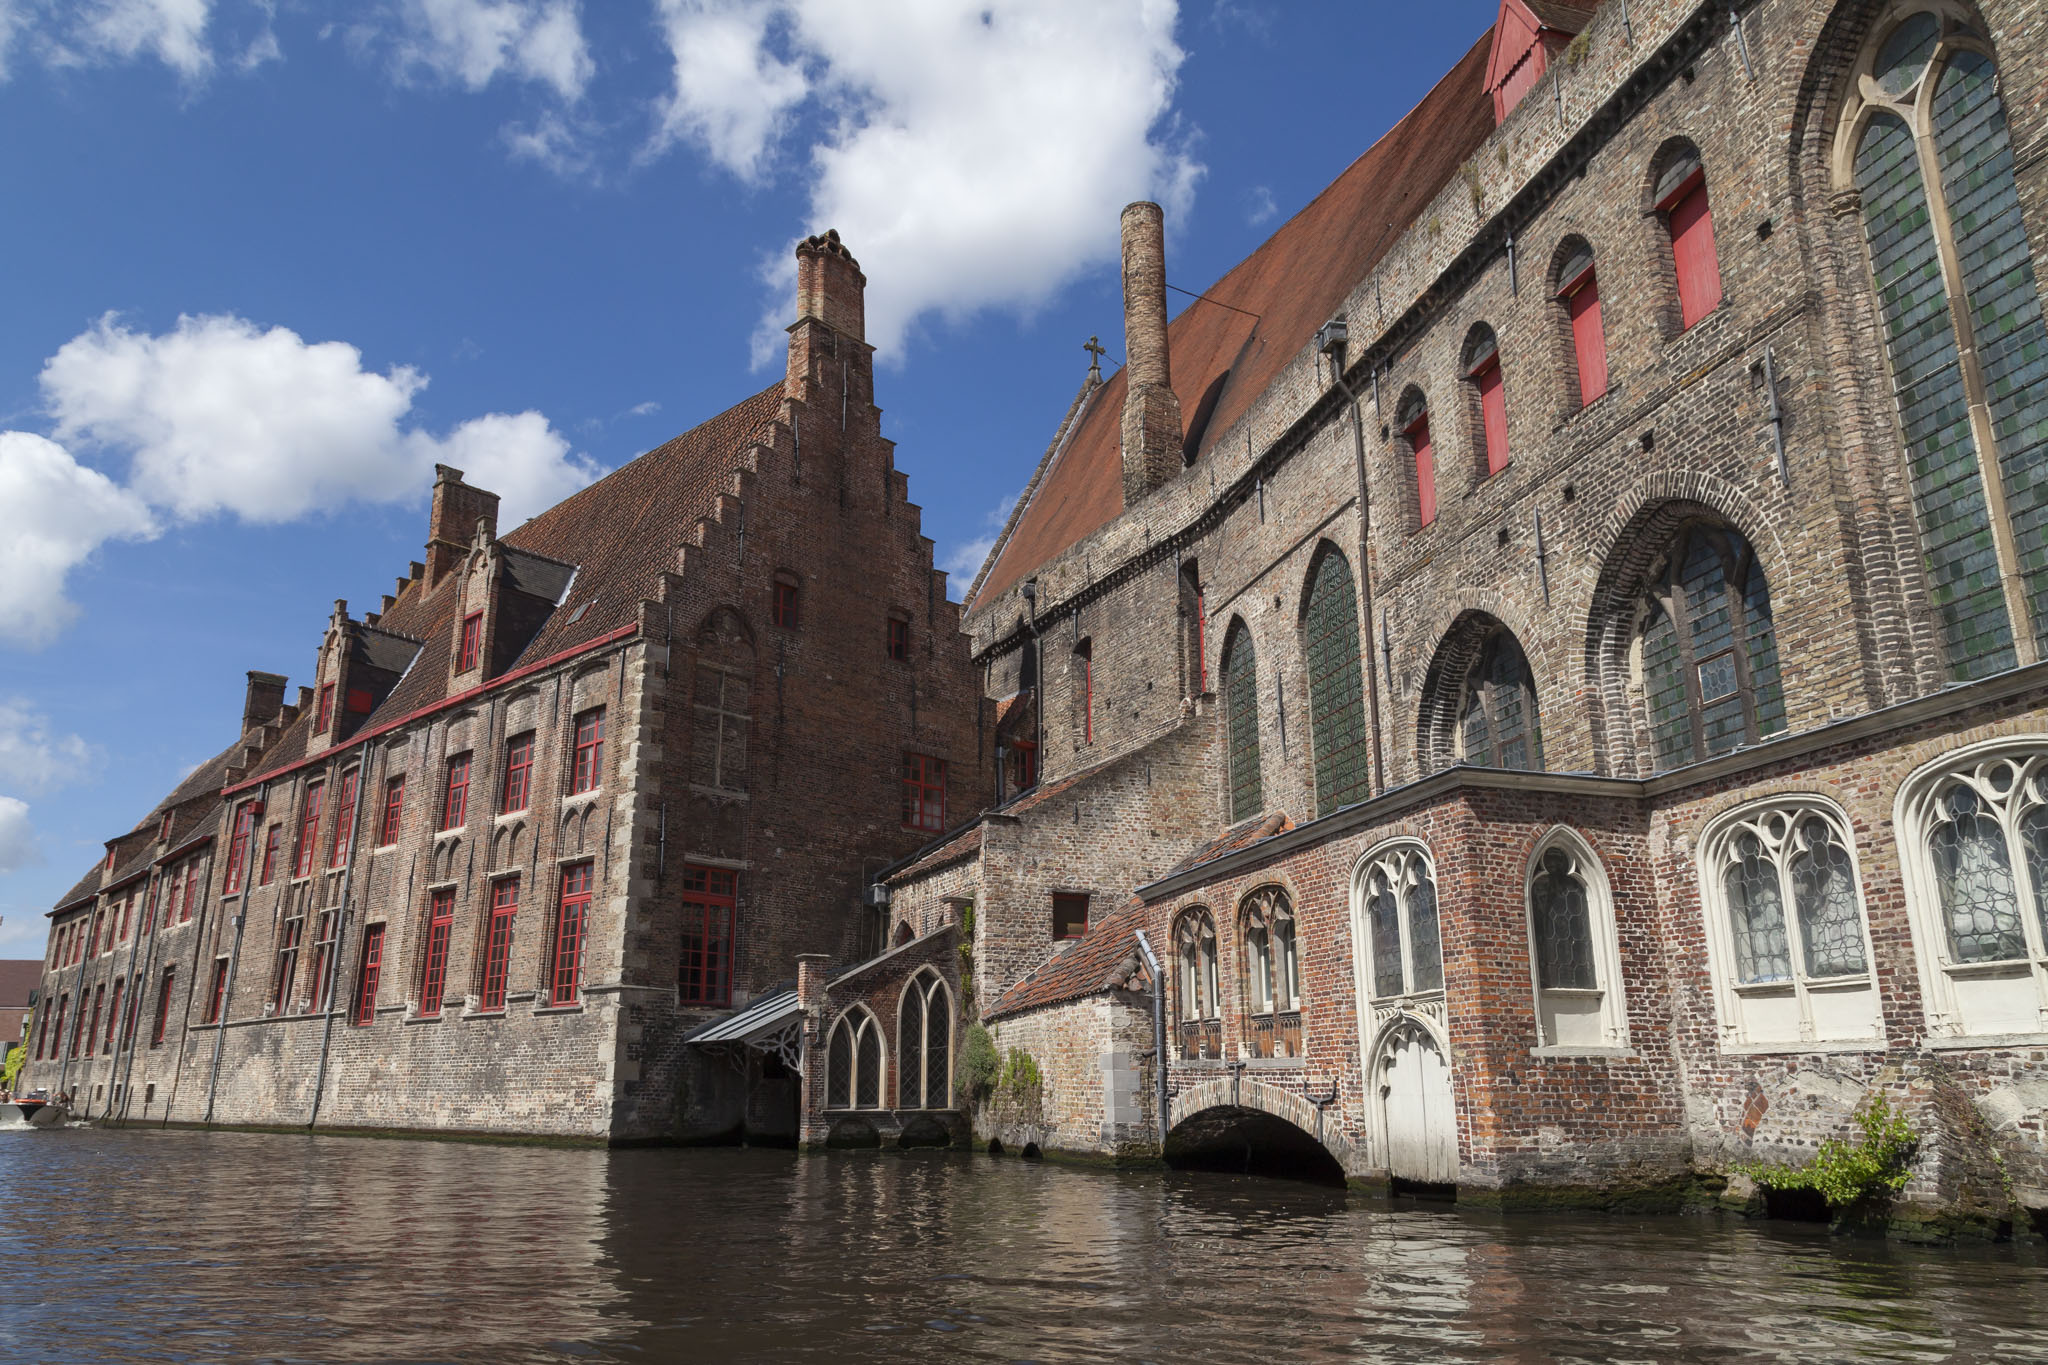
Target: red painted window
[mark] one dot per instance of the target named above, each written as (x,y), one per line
(114,1017)
(434,974)
(163,828)
(121,917)
(710,895)
(92,1032)
(191,890)
(899,638)
(57,1034)
(1581,295)
(569,927)
(324,945)
(43,1034)
(785,605)
(1069,916)
(78,1025)
(472,641)
(924,792)
(271,841)
(110,857)
(366,979)
(163,1007)
(309,829)
(589,766)
(1493,412)
(92,946)
(325,716)
(344,820)
(287,964)
(134,1014)
(1417,433)
(394,810)
(1085,654)
(1692,247)
(360,702)
(218,995)
(518,774)
(238,847)
(498,942)
(1024,765)
(455,797)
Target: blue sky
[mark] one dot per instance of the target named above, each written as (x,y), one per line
(269,261)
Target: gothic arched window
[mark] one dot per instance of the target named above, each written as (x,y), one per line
(1499,726)
(1572,940)
(1336,686)
(924,1044)
(1709,657)
(1197,1013)
(1241,722)
(1397,890)
(1272,974)
(853,1062)
(1924,143)
(1482,372)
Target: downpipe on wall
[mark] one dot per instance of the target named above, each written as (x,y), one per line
(1158,1031)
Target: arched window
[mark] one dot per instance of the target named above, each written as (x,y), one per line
(1272,974)
(1578,290)
(1397,893)
(924,1044)
(1572,944)
(1482,371)
(1925,145)
(853,1062)
(1336,686)
(1681,198)
(1974,832)
(1197,1011)
(1411,417)
(1708,653)
(1785,928)
(1498,726)
(1241,722)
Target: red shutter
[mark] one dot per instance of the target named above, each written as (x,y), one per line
(1692,251)
(1425,469)
(1493,406)
(1589,341)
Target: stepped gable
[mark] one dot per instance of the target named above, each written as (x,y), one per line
(1295,282)
(1083,969)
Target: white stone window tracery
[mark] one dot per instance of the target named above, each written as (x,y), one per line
(1786,931)
(1272,974)
(1973,833)
(924,1038)
(853,1062)
(1398,910)
(1198,1016)
(1575,960)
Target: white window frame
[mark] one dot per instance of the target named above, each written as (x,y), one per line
(1945,985)
(1613,1001)
(1715,844)
(855,1020)
(917,989)
(1382,1012)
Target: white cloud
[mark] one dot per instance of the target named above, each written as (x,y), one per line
(471,42)
(54,512)
(174,31)
(1259,207)
(972,153)
(31,757)
(17,840)
(219,415)
(964,560)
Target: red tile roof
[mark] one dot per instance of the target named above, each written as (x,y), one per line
(1241,835)
(19,977)
(1295,282)
(1081,969)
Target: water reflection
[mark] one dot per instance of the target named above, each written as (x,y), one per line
(184,1246)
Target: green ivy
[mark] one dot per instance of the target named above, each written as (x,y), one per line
(10,1072)
(979,1064)
(1845,1173)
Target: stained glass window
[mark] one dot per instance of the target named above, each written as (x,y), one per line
(1500,727)
(1241,717)
(1709,651)
(1563,924)
(1401,923)
(1335,684)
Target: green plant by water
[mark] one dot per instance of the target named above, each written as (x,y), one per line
(1845,1173)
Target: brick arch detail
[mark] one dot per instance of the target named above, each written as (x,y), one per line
(1459,630)
(1245,1093)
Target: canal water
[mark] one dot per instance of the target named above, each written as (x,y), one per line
(218,1246)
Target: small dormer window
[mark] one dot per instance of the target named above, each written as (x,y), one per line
(472,641)
(163,828)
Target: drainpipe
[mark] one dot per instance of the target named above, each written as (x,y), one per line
(138,982)
(1158,1030)
(364,786)
(227,992)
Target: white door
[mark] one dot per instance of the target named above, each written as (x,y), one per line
(1417,1113)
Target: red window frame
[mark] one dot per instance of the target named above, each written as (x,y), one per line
(191,890)
(784,612)
(238,847)
(272,841)
(569,930)
(324,930)
(1691,225)
(367,976)
(92,947)
(114,1018)
(78,1024)
(218,996)
(287,964)
(1581,295)
(1493,412)
(710,901)
(394,811)
(588,769)
(517,795)
(472,641)
(924,792)
(325,716)
(434,968)
(43,1032)
(163,1007)
(163,828)
(57,1040)
(92,1033)
(309,830)
(455,795)
(498,943)
(344,820)
(1417,432)
(121,919)
(1024,764)
(899,638)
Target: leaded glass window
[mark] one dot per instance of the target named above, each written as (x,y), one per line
(1241,717)
(721,705)
(1336,685)
(1197,1011)
(1499,727)
(1564,928)
(1405,951)
(1926,146)
(1709,652)
(1272,974)
(853,1062)
(1577,963)
(924,1041)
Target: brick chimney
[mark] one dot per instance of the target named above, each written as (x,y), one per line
(1151,418)
(831,305)
(457,509)
(263,701)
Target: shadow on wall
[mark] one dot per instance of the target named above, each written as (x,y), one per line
(1250,1142)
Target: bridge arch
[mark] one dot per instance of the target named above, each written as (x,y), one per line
(1241,1124)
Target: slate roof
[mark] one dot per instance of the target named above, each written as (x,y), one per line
(19,978)
(1295,282)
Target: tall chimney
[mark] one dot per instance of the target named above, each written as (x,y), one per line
(263,701)
(1151,418)
(829,285)
(457,509)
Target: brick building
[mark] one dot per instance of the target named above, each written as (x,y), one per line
(569,793)
(1537,674)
